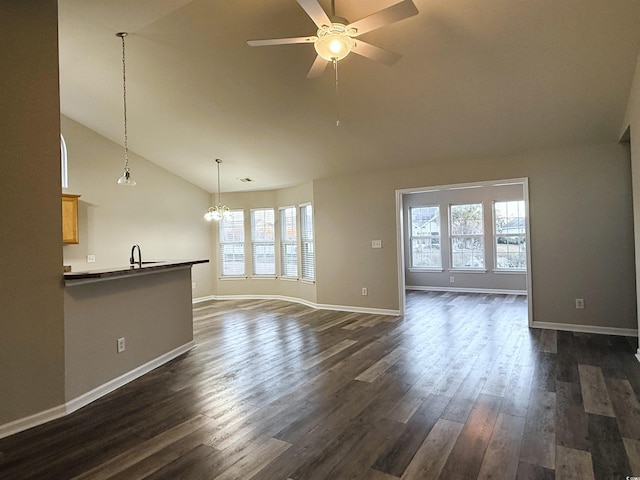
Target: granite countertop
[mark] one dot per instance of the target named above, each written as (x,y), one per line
(71,278)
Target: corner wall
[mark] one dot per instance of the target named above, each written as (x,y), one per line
(268,287)
(632,122)
(31,292)
(581,231)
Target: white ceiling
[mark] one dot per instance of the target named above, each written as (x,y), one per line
(477,78)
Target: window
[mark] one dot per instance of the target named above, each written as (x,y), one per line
(263,237)
(63,162)
(306,237)
(466,232)
(509,225)
(232,244)
(288,243)
(425,237)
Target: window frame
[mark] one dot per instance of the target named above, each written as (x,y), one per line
(239,244)
(307,264)
(478,236)
(286,243)
(520,238)
(262,244)
(431,237)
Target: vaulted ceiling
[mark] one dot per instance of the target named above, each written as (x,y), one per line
(476,79)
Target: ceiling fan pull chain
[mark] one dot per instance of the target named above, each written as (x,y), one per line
(335,67)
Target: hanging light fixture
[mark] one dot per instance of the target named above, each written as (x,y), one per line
(125,179)
(220,211)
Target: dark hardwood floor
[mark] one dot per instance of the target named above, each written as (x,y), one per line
(457,388)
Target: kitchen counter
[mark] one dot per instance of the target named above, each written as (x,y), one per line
(155,266)
(123,322)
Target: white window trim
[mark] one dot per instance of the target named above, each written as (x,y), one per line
(482,236)
(254,243)
(411,237)
(243,276)
(495,235)
(282,276)
(313,241)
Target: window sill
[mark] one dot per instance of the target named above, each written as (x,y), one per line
(309,282)
(510,272)
(426,270)
(468,270)
(233,277)
(263,277)
(289,279)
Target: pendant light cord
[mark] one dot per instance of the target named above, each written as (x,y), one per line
(218,162)
(124,101)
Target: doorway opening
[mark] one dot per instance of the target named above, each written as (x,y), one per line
(471,237)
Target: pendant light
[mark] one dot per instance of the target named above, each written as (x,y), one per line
(125,179)
(220,211)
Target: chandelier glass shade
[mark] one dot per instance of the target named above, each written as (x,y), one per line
(217,213)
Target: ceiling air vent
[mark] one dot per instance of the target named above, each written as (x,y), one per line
(245,179)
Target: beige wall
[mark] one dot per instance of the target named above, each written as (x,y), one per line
(632,122)
(31,304)
(580,219)
(162,213)
(152,312)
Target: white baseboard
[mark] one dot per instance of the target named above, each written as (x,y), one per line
(32,421)
(91,396)
(570,327)
(195,301)
(317,306)
(638,354)
(495,291)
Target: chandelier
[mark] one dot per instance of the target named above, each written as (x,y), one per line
(219,211)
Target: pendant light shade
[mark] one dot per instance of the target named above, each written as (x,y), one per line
(125,179)
(219,212)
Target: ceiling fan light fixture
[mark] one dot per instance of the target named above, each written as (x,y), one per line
(333,42)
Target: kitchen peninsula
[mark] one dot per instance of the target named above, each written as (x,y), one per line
(123,322)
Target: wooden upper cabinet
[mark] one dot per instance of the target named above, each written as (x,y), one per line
(70,219)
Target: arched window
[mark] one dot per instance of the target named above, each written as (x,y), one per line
(63,162)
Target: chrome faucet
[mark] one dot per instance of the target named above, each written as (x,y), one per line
(132,260)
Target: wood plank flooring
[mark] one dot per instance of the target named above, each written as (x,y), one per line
(457,388)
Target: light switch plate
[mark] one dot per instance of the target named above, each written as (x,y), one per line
(376,243)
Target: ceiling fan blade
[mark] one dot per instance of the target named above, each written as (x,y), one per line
(387,16)
(376,53)
(316,12)
(281,41)
(318,67)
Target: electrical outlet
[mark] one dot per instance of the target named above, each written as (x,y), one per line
(193,286)
(580,303)
(452,279)
(121,345)
(364,291)
(91,258)
(376,243)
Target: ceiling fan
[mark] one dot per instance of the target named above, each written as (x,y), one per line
(336,37)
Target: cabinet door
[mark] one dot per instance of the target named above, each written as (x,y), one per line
(69,219)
